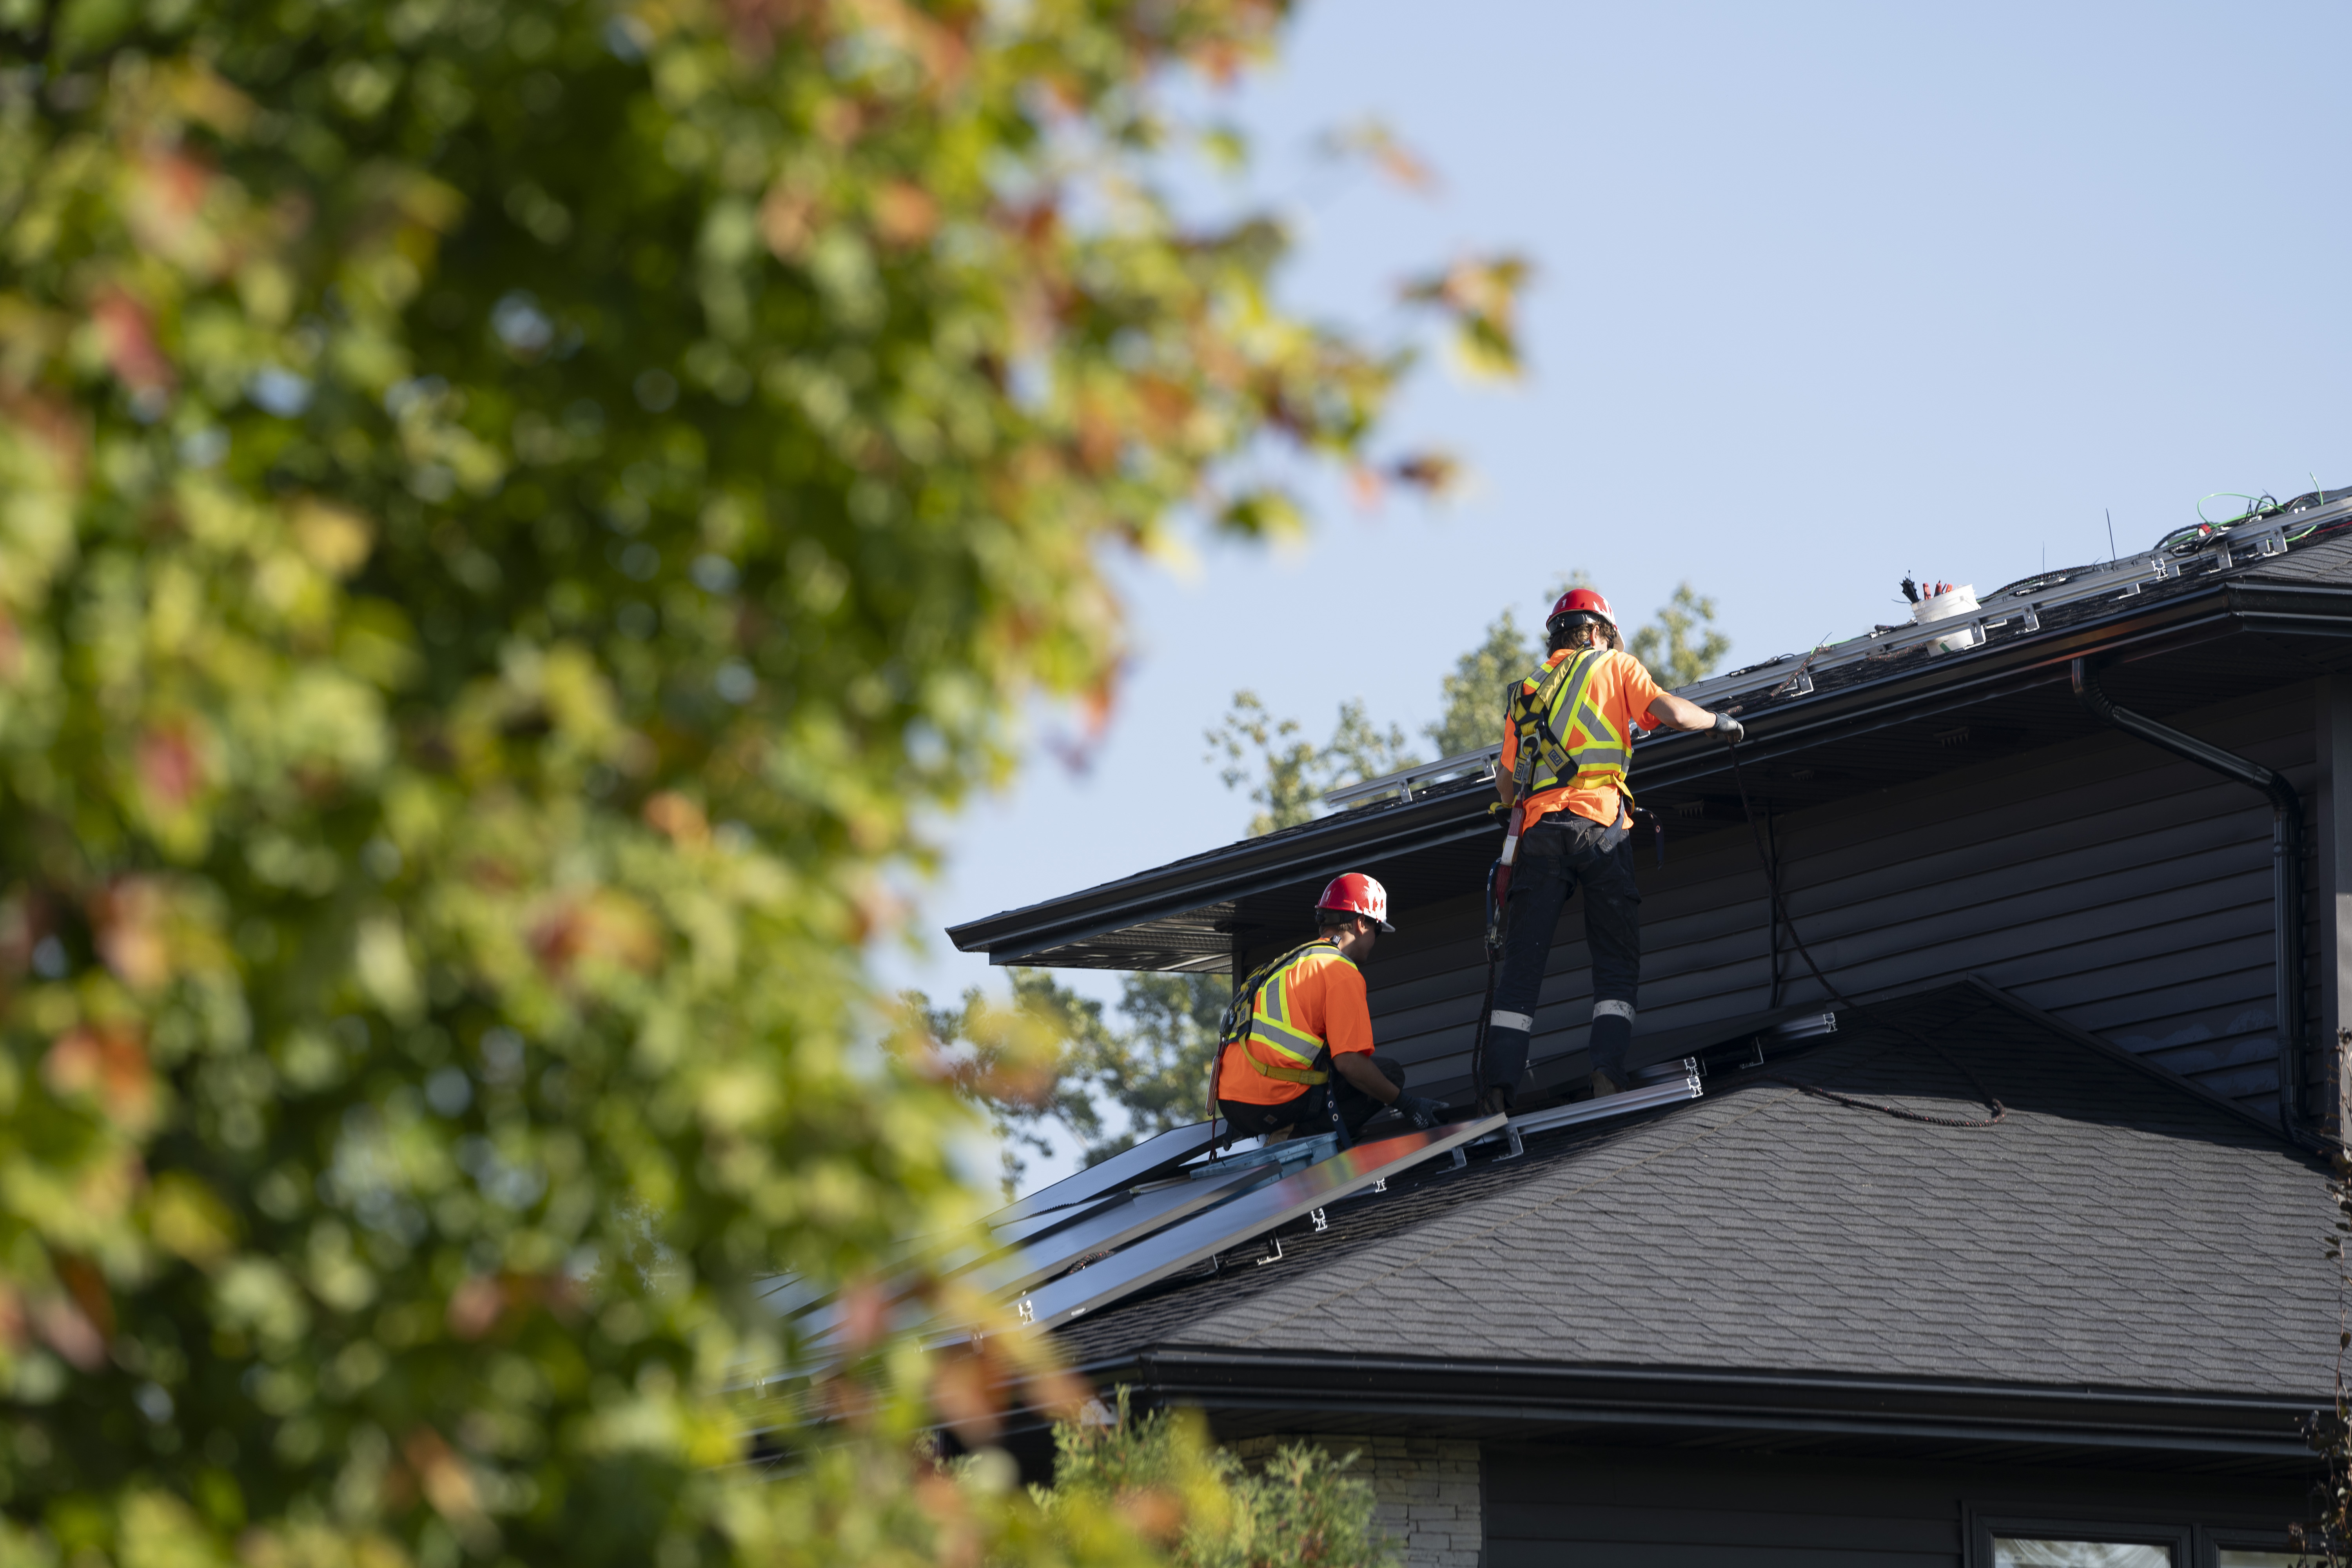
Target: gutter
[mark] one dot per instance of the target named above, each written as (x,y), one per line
(2286,870)
(1418,1394)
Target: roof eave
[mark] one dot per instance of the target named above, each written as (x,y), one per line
(1257,865)
(1500,1396)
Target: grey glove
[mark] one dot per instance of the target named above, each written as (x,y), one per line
(1419,1110)
(1730,728)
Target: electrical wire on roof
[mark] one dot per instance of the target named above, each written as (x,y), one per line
(1772,882)
(2256,506)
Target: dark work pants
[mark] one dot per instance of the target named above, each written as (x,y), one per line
(1310,1113)
(1556,855)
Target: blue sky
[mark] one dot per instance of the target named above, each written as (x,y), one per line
(1825,294)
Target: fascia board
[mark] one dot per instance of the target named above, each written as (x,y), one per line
(1727,1401)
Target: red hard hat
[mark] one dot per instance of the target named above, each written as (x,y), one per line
(1356,894)
(1585,600)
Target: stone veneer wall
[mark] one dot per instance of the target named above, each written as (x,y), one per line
(1425,1489)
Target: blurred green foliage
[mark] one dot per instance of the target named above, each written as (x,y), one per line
(511,512)
(1157,1475)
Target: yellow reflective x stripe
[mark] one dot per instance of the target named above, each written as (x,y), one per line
(1271,1027)
(1600,761)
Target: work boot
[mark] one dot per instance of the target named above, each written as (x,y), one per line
(1604,1085)
(1494,1102)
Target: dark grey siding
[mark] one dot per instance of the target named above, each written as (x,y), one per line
(2127,892)
(1548,1507)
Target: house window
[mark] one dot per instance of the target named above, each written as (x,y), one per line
(2029,1551)
(2017,1541)
(2252,1557)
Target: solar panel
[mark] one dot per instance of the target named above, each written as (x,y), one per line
(1116,1175)
(1067,1235)
(1066,1202)
(1114,1225)
(1203,1235)
(1026,1226)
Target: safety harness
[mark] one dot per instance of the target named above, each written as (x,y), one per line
(1557,688)
(1550,762)
(1245,1024)
(1270,1026)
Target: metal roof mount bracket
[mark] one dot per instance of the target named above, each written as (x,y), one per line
(1290,1151)
(1974,632)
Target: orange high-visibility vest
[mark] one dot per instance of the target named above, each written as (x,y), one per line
(1565,739)
(1271,1042)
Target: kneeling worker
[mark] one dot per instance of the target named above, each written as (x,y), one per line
(1303,1018)
(1568,741)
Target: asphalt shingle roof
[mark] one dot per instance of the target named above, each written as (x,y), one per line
(2115,1230)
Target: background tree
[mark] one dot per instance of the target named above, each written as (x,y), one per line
(1681,644)
(1054,1060)
(509,515)
(1471,717)
(1288,775)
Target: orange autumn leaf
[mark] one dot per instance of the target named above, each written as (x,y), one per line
(106,1063)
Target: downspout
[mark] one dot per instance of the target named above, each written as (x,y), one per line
(2286,870)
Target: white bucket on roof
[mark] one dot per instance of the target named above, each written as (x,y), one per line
(1960,601)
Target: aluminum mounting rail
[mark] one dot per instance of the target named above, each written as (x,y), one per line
(1407,780)
(1673,1092)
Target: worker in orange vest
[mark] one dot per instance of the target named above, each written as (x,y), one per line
(1301,1022)
(1568,741)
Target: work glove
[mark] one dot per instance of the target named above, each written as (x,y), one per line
(1419,1110)
(1730,728)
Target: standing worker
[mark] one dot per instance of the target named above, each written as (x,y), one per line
(1568,741)
(1303,1018)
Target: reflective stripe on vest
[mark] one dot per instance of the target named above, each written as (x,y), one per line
(1274,1045)
(1552,708)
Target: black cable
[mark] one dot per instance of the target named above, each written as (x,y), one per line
(1497,917)
(1479,1039)
(1773,883)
